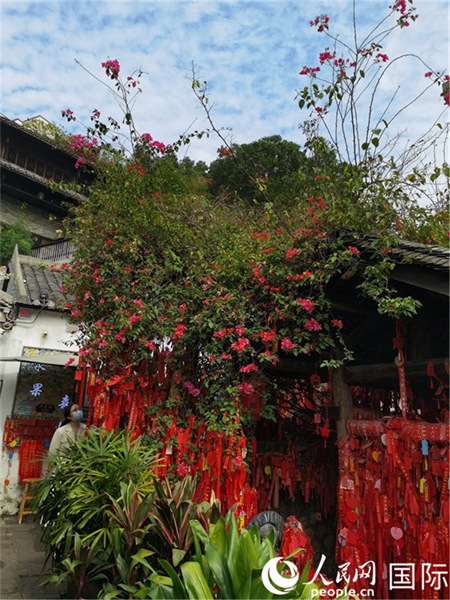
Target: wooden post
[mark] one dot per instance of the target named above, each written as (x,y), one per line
(342,398)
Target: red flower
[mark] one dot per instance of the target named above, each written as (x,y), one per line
(240,345)
(249,368)
(220,334)
(337,323)
(268,336)
(134,319)
(179,331)
(182,469)
(240,330)
(313,325)
(353,249)
(291,253)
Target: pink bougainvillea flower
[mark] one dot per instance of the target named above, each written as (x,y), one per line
(353,249)
(286,344)
(138,302)
(310,71)
(246,388)
(313,325)
(240,345)
(225,356)
(112,68)
(240,329)
(307,305)
(220,334)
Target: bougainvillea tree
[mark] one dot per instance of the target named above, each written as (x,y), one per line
(213,293)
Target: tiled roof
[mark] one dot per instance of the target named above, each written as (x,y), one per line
(425,255)
(436,257)
(34,283)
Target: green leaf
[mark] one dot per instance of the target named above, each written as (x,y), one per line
(178,587)
(195,582)
(218,537)
(244,562)
(177,556)
(219,567)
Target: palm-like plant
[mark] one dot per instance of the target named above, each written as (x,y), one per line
(173,510)
(88,485)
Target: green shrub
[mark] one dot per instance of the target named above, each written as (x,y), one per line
(93,505)
(19,234)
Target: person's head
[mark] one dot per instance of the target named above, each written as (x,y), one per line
(73,412)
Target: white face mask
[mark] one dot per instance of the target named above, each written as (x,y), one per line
(77,415)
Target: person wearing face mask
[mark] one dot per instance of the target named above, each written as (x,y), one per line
(71,428)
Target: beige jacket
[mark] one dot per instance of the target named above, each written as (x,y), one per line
(63,434)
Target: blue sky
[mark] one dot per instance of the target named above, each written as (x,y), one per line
(249,51)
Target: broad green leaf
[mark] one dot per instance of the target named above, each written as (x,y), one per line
(244,561)
(199,531)
(218,536)
(219,566)
(195,582)
(177,556)
(178,586)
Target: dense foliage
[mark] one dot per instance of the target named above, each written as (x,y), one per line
(17,234)
(223,286)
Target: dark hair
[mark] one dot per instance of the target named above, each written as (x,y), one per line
(66,413)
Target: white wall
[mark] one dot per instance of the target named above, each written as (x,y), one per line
(12,343)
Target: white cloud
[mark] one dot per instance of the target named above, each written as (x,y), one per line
(249,51)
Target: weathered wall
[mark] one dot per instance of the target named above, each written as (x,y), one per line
(38,220)
(12,343)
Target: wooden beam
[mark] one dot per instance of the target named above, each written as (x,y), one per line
(432,280)
(383,375)
(342,398)
(386,374)
(351,308)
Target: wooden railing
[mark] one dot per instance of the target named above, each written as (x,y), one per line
(55,251)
